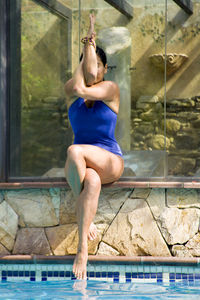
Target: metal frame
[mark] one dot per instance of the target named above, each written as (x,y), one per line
(15,86)
(123,6)
(4,57)
(186,5)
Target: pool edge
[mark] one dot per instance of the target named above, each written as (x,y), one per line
(98,258)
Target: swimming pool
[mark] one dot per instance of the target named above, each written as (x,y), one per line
(68,289)
(106,280)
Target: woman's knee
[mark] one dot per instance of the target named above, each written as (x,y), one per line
(74,152)
(92,179)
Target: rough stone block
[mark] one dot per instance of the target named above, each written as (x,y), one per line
(105,249)
(33,206)
(1,197)
(31,241)
(110,201)
(178,225)
(63,239)
(8,225)
(135,232)
(3,250)
(67,207)
(140,193)
(183,198)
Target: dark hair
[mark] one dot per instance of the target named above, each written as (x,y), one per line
(100,52)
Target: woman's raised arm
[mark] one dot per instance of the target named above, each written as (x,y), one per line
(89,54)
(104,90)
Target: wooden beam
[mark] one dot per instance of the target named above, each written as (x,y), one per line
(186,5)
(123,6)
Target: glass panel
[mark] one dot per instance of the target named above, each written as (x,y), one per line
(183,90)
(130,45)
(135,48)
(43,130)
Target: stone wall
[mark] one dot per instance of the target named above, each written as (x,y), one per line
(153,222)
(182,131)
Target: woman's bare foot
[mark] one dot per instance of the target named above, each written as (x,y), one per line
(92,234)
(79,266)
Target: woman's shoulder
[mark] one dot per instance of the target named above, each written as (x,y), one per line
(110,82)
(111,85)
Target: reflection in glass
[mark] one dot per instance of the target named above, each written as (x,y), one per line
(45,132)
(183,90)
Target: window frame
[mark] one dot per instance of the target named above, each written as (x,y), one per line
(10,93)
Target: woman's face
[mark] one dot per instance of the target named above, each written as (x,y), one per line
(101,70)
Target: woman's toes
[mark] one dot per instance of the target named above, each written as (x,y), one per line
(79,267)
(92,232)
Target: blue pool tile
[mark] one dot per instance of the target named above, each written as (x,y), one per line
(146,275)
(172,276)
(26,274)
(32,279)
(140,275)
(4,278)
(50,274)
(32,273)
(21,273)
(110,274)
(191,277)
(91,274)
(128,275)
(44,279)
(116,279)
(15,273)
(4,273)
(9,273)
(184,276)
(44,273)
(153,275)
(68,274)
(62,273)
(134,275)
(159,280)
(197,276)
(116,274)
(55,273)
(98,274)
(178,275)
(159,277)
(104,274)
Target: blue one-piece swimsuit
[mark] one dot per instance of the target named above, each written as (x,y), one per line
(95,125)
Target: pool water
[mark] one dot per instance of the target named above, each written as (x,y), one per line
(91,289)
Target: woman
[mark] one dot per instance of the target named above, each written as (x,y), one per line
(95,157)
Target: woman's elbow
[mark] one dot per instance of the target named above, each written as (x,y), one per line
(78,90)
(90,79)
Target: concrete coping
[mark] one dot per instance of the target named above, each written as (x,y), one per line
(121,183)
(155,260)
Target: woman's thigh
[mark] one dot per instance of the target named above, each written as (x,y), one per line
(108,165)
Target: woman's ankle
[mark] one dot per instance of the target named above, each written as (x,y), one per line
(82,247)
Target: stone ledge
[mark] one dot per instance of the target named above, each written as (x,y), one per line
(122,183)
(101,258)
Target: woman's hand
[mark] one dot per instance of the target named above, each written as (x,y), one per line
(91,33)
